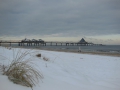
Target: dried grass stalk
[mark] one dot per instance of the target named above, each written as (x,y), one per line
(21,71)
(38,55)
(45,58)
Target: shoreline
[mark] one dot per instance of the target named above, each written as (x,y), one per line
(82,52)
(75,51)
(87,52)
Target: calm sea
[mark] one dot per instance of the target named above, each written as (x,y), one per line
(105,48)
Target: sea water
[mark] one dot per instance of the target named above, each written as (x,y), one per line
(101,48)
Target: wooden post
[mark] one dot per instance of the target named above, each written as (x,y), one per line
(67,44)
(45,44)
(18,44)
(79,50)
(10,43)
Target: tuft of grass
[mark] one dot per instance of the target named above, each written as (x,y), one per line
(21,70)
(45,59)
(38,55)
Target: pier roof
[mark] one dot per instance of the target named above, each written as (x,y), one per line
(82,41)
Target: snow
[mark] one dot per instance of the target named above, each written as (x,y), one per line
(68,71)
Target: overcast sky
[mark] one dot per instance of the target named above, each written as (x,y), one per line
(95,20)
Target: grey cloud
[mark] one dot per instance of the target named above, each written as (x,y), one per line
(70,17)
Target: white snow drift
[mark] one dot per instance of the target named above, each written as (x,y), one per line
(68,71)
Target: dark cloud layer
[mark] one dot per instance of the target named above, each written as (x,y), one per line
(68,17)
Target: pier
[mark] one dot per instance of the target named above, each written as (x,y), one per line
(34,42)
(50,43)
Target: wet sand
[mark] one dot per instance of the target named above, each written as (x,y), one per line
(86,52)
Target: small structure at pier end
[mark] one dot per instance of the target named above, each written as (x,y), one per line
(82,42)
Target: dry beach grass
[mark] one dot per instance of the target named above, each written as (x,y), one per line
(21,70)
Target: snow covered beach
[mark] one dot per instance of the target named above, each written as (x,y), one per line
(69,71)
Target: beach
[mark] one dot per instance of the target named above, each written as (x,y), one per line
(60,45)
(64,70)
